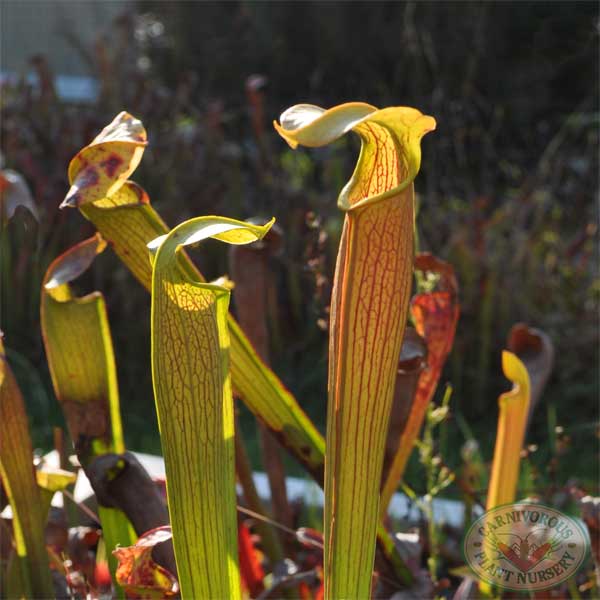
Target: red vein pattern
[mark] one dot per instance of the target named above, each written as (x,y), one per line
(368,316)
(367,332)
(371,294)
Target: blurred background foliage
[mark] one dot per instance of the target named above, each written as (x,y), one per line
(507,190)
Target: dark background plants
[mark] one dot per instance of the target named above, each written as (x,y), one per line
(506,192)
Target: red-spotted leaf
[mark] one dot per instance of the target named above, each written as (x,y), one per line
(102,167)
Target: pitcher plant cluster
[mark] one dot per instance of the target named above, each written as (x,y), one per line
(387,349)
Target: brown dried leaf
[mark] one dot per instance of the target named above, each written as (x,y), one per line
(435,316)
(536,350)
(413,357)
(139,575)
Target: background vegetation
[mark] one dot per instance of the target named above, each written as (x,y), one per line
(506,190)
